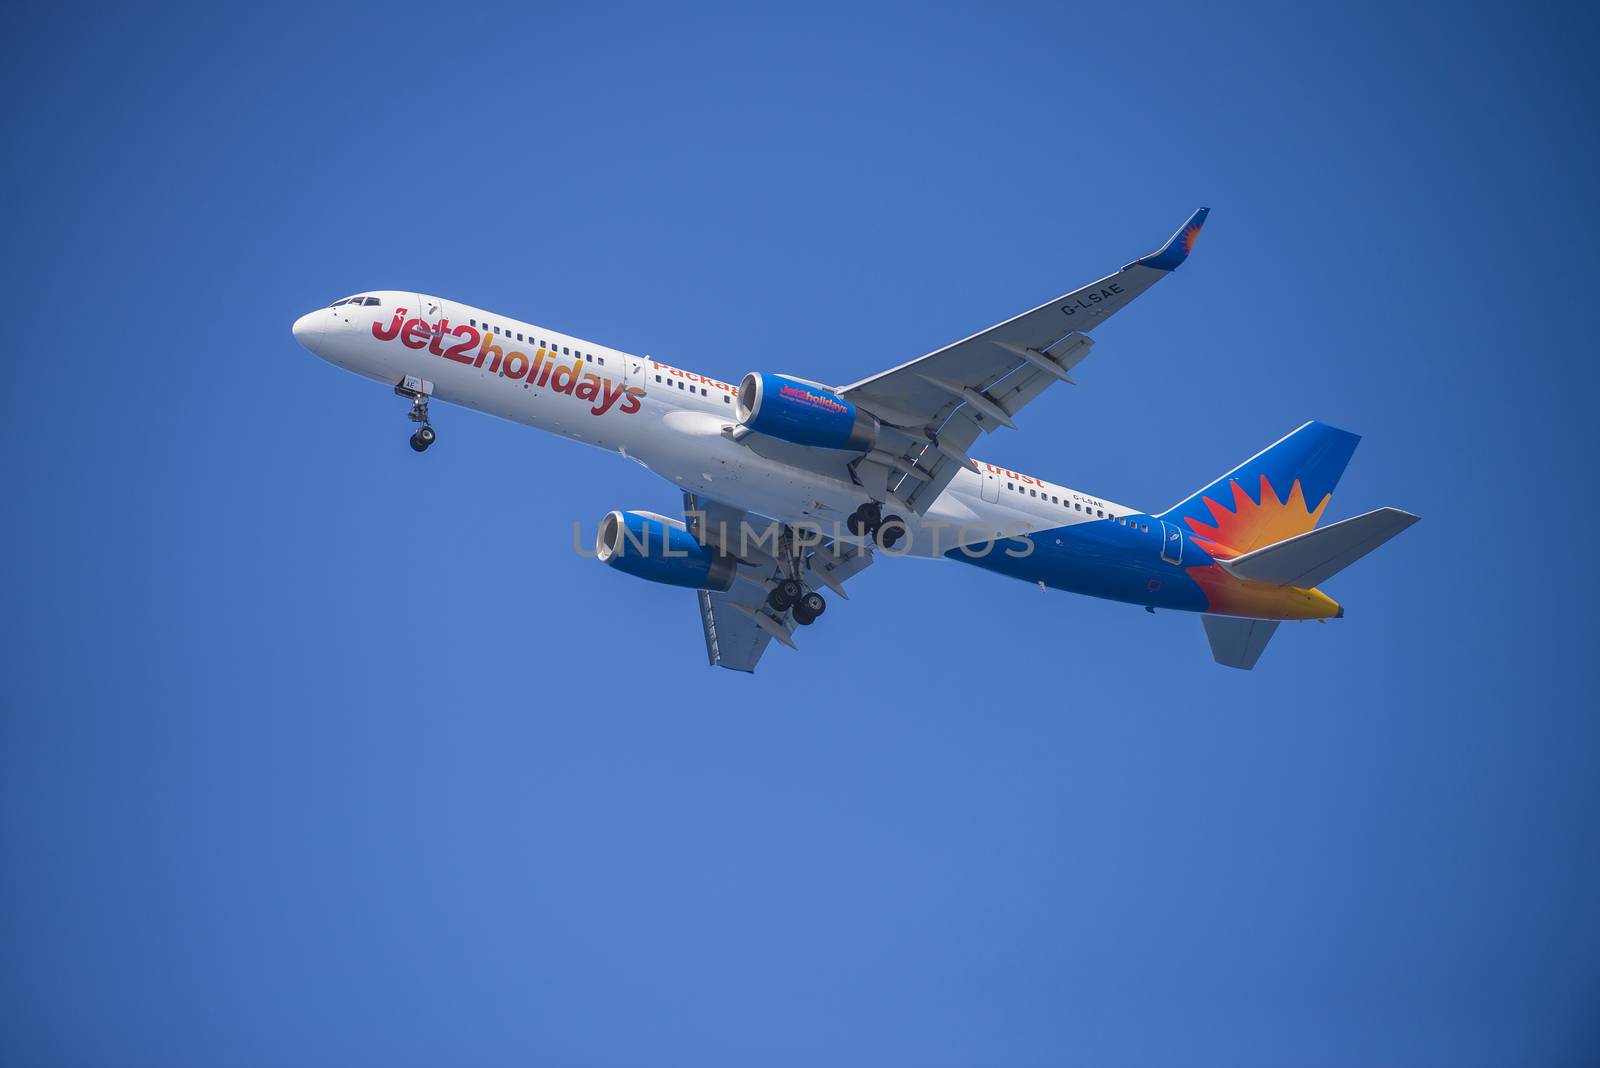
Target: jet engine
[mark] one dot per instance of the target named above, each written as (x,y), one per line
(651,546)
(792,409)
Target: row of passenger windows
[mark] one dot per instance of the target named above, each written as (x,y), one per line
(567,351)
(726,398)
(509,334)
(1098,512)
(366,302)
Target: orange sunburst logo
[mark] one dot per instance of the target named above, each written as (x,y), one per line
(1190,236)
(1248,525)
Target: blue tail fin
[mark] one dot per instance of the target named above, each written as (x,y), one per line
(1276,494)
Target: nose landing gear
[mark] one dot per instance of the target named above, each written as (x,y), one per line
(418,389)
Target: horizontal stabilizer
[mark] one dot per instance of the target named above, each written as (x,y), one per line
(1237,643)
(1310,559)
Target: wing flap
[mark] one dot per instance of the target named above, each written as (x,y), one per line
(734,639)
(978,384)
(738,623)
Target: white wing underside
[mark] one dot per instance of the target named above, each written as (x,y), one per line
(738,623)
(933,408)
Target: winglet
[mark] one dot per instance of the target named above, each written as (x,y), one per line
(1178,246)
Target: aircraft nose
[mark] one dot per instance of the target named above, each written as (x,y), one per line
(308,330)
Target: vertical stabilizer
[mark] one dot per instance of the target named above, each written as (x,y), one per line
(1278,493)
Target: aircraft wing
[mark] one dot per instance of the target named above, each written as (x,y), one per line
(939,403)
(738,623)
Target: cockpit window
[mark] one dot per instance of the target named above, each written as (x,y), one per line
(336,303)
(372,302)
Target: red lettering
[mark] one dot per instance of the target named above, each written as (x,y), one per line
(571,377)
(440,329)
(415,334)
(512,361)
(630,403)
(393,330)
(458,352)
(488,347)
(612,390)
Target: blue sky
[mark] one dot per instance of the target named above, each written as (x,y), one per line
(318,752)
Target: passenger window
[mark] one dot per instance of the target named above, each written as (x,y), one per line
(1099,513)
(474,322)
(726,399)
(703,391)
(1053,499)
(566,351)
(519,337)
(658,378)
(1033,493)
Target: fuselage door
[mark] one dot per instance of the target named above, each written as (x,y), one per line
(991,487)
(1171,543)
(634,370)
(429,311)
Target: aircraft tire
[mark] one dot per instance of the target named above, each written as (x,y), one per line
(812,605)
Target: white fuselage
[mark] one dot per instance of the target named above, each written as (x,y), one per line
(671,420)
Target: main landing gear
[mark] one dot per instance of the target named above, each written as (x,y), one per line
(418,390)
(808,608)
(869,521)
(789,594)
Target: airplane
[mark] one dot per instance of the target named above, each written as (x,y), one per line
(791,487)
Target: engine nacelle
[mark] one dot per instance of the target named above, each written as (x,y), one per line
(793,410)
(653,547)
